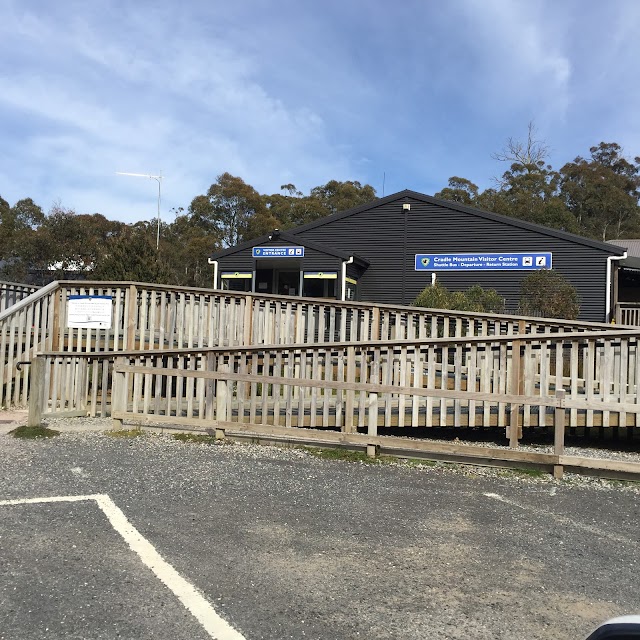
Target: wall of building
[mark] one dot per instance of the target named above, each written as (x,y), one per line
(389,238)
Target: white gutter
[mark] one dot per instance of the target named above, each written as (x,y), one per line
(344,277)
(215,272)
(607,306)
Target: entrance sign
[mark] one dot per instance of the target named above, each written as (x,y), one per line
(321,275)
(90,312)
(529,261)
(278,252)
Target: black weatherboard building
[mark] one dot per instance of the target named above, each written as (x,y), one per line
(387,251)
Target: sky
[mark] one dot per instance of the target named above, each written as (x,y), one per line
(397,95)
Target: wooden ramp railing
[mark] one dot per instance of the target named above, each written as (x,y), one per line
(13,292)
(149,317)
(480,381)
(628,313)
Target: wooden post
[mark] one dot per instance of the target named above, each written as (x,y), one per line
(132,315)
(372,429)
(513,431)
(36,392)
(349,427)
(375,324)
(222,393)
(82,384)
(55,329)
(558,433)
(248,321)
(118,392)
(209,388)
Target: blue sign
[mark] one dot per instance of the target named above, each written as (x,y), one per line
(278,252)
(482,261)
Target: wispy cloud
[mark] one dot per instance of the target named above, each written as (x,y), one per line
(298,92)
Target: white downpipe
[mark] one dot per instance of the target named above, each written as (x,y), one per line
(215,272)
(344,277)
(607,305)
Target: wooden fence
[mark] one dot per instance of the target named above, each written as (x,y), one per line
(480,381)
(628,313)
(13,292)
(152,317)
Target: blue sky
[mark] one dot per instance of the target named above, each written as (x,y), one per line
(300,92)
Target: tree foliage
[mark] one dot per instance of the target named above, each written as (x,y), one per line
(602,193)
(38,248)
(474,299)
(131,255)
(596,197)
(549,294)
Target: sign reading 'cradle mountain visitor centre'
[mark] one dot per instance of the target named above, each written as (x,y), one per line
(482,261)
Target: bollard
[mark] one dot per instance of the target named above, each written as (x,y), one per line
(119,399)
(558,433)
(372,428)
(36,392)
(222,392)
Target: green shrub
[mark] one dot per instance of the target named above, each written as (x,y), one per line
(549,294)
(474,299)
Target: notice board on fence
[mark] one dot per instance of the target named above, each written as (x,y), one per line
(89,312)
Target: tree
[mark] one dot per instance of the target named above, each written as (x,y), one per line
(473,299)
(132,255)
(228,206)
(529,154)
(530,193)
(75,242)
(549,294)
(459,190)
(293,208)
(339,196)
(602,193)
(185,246)
(18,227)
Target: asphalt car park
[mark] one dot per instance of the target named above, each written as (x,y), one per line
(257,542)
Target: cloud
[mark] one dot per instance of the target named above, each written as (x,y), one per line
(191,106)
(298,92)
(519,56)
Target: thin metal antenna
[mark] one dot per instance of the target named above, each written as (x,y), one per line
(384,178)
(158,179)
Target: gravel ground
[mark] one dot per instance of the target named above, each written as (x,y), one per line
(285,545)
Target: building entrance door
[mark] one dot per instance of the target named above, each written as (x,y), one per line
(280,279)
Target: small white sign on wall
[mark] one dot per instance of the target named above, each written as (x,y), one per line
(89,312)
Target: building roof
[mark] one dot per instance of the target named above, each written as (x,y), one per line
(292,235)
(631,245)
(514,222)
(276,234)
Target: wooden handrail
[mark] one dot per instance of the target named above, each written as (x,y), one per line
(335,303)
(25,302)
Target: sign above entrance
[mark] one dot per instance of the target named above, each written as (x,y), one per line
(482,261)
(278,252)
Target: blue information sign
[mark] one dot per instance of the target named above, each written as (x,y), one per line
(278,252)
(483,261)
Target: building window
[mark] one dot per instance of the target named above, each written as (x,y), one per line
(351,289)
(320,284)
(236,281)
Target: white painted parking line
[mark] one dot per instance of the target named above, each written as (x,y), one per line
(189,596)
(562,519)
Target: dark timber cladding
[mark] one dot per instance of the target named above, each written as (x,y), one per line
(385,236)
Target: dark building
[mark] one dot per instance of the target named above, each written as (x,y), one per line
(389,250)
